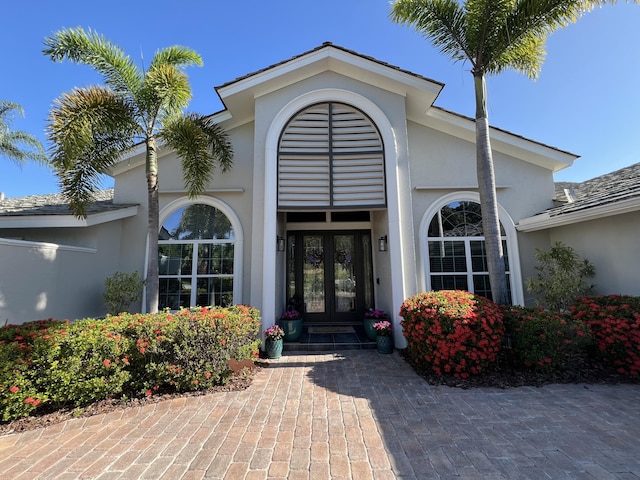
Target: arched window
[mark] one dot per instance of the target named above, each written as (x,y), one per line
(196,252)
(330,155)
(456,250)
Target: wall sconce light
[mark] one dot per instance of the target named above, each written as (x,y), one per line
(382,244)
(281,244)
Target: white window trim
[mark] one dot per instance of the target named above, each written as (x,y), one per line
(515,275)
(238,249)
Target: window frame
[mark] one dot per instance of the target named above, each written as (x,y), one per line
(510,238)
(237,241)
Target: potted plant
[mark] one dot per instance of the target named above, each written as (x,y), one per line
(372,316)
(291,323)
(273,341)
(384,336)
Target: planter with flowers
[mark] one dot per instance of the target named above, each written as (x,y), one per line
(370,317)
(384,336)
(273,341)
(291,323)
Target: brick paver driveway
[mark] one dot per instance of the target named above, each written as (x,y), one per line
(354,414)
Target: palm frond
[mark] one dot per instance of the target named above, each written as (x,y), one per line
(13,142)
(90,48)
(202,144)
(176,56)
(166,92)
(90,129)
(5,107)
(441,21)
(521,35)
(12,146)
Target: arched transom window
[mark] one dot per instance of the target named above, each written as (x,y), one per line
(196,258)
(456,250)
(330,155)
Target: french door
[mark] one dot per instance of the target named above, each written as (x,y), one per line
(329,274)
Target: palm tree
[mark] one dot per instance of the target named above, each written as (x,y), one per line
(91,128)
(492,35)
(12,142)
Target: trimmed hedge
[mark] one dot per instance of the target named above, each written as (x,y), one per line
(452,332)
(50,364)
(544,341)
(614,321)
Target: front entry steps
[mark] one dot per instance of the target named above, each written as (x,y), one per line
(323,338)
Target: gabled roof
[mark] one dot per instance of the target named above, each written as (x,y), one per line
(239,95)
(420,93)
(610,194)
(53,210)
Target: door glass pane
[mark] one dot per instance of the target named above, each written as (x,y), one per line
(313,273)
(367,289)
(344,273)
(291,268)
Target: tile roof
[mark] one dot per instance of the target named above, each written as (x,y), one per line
(610,188)
(56,204)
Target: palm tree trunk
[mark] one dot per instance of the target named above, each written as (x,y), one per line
(488,196)
(153,225)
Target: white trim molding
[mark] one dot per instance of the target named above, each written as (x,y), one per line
(545,220)
(399,202)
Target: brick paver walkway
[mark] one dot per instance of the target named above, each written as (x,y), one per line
(354,414)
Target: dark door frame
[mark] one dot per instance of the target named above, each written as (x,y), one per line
(330,315)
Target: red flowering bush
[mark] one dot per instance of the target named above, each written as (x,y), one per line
(452,332)
(615,323)
(543,340)
(50,364)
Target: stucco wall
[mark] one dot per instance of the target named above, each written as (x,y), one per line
(528,243)
(389,109)
(63,281)
(443,165)
(611,245)
(233,187)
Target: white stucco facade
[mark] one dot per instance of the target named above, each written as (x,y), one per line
(429,164)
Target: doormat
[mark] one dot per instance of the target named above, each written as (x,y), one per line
(346,329)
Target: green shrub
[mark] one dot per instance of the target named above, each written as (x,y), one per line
(189,350)
(561,276)
(52,364)
(19,396)
(544,341)
(452,332)
(81,364)
(121,290)
(615,323)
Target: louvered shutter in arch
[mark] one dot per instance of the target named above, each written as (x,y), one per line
(330,155)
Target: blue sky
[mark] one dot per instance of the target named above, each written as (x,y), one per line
(586,101)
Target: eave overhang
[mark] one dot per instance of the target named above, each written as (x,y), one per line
(548,220)
(66,221)
(239,95)
(502,141)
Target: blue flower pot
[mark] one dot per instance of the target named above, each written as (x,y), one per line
(292,329)
(384,343)
(369,330)
(273,348)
